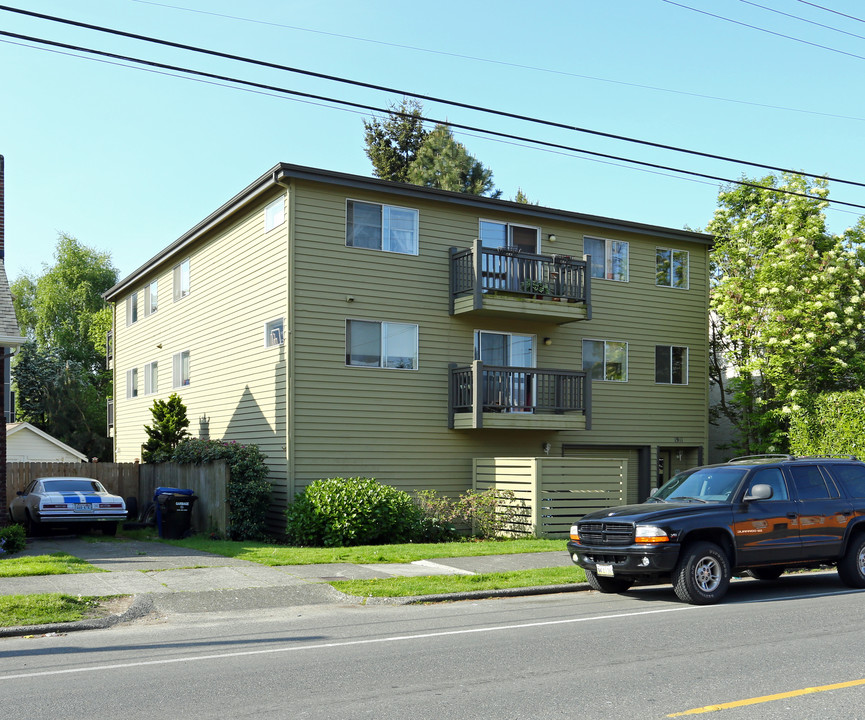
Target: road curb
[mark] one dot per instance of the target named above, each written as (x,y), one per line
(141,605)
(473,595)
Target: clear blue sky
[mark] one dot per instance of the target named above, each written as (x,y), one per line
(127,160)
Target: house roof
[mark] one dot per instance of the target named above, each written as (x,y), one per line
(283,173)
(10,332)
(12,428)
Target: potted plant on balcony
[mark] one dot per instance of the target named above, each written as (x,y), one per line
(536,287)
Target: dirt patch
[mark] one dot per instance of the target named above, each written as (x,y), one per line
(108,606)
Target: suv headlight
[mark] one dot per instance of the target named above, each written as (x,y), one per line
(650,534)
(575,533)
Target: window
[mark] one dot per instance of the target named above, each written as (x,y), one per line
(181,280)
(180,369)
(774,479)
(381,344)
(852,477)
(671,268)
(671,365)
(151,378)
(132,309)
(274,214)
(809,482)
(132,383)
(151,298)
(609,258)
(496,235)
(381,227)
(273,333)
(603,360)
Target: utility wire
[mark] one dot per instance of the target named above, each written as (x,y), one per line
(821,7)
(373,108)
(430,98)
(764,30)
(801,19)
(474,58)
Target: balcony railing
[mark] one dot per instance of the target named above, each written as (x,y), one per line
(479,390)
(109,412)
(478,271)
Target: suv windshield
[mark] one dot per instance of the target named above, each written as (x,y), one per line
(714,484)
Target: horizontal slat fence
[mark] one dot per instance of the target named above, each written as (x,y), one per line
(207,481)
(550,493)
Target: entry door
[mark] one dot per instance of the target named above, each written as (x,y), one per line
(509,391)
(505,271)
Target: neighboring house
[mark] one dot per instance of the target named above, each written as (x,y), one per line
(26,443)
(352,326)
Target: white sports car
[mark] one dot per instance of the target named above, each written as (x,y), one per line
(59,501)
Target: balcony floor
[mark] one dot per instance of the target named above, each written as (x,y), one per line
(523,306)
(522,421)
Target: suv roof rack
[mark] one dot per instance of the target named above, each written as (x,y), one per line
(764,456)
(826,457)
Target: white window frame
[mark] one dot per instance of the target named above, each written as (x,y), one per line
(131,383)
(604,361)
(181,274)
(177,377)
(274,333)
(385,226)
(132,309)
(151,298)
(685,365)
(608,258)
(673,253)
(151,378)
(383,344)
(274,214)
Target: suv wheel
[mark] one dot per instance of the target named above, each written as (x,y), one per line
(702,575)
(608,584)
(851,568)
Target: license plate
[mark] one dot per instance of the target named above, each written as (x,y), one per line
(606,570)
(82,507)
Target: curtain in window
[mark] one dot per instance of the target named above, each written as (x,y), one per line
(400,345)
(400,235)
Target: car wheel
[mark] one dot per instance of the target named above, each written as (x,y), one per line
(702,575)
(109,529)
(608,584)
(768,573)
(31,529)
(851,568)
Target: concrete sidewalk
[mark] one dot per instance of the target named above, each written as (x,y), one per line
(175,580)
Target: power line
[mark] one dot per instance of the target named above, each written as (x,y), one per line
(801,19)
(504,63)
(373,108)
(764,30)
(430,98)
(821,7)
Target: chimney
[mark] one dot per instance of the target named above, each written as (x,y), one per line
(2,212)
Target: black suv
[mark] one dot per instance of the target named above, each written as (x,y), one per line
(763,514)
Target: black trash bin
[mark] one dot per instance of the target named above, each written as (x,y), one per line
(173,512)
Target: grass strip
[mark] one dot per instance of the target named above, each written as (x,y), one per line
(58,563)
(42,609)
(269,554)
(440,584)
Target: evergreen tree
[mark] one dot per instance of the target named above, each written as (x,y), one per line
(168,429)
(392,143)
(444,163)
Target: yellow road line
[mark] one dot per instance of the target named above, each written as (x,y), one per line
(769,698)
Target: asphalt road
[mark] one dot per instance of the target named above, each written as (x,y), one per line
(642,655)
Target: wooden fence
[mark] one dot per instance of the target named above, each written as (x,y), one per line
(550,493)
(207,481)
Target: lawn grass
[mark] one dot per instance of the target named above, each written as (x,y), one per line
(42,609)
(269,554)
(58,563)
(440,584)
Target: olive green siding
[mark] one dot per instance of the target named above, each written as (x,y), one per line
(316,417)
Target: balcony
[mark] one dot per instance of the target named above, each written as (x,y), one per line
(518,398)
(506,282)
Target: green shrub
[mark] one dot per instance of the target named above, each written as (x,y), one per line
(248,490)
(12,540)
(830,424)
(338,512)
(489,513)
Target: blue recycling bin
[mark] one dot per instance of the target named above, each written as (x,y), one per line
(173,511)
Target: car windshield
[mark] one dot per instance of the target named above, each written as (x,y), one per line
(72,485)
(704,485)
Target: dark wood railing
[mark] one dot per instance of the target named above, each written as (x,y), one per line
(479,270)
(480,388)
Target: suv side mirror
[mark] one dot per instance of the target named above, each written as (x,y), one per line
(759,492)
